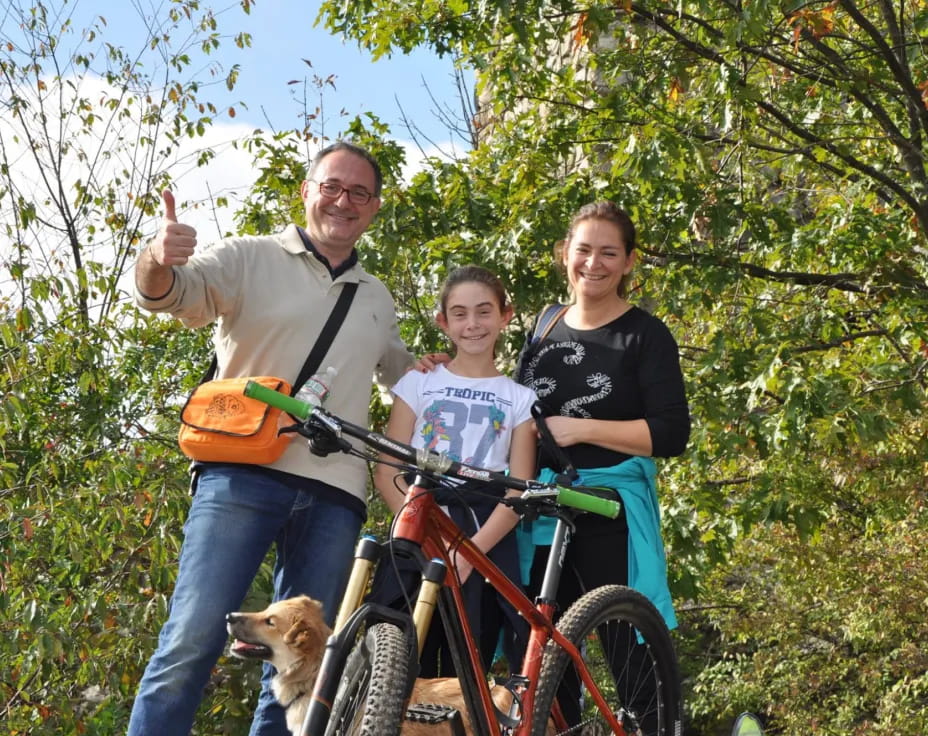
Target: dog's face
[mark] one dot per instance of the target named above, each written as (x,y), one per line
(282,634)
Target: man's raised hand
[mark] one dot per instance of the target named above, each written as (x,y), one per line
(175,242)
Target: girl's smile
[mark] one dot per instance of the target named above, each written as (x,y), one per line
(472,320)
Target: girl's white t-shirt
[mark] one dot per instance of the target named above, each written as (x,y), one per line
(469,419)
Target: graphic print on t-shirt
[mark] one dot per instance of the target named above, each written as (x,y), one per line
(459,414)
(599,384)
(469,419)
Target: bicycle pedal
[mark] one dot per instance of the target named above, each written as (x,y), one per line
(432,713)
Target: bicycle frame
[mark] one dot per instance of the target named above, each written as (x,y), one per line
(423,523)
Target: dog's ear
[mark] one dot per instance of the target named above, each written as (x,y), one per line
(308,631)
(306,639)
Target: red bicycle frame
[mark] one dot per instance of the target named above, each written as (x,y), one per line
(422,522)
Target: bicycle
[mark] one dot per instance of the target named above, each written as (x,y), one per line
(610,654)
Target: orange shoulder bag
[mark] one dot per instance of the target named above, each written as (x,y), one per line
(219,424)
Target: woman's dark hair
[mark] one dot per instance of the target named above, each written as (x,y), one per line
(609,212)
(472,274)
(357,151)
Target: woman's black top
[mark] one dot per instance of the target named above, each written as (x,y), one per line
(626,369)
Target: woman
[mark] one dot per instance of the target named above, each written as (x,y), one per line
(609,376)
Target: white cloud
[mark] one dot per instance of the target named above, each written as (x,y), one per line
(105,155)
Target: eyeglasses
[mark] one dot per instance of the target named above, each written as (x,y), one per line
(356,195)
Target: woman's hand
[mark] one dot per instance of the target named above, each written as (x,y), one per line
(566,431)
(631,436)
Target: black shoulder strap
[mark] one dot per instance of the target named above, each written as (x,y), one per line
(211,371)
(323,342)
(329,331)
(546,320)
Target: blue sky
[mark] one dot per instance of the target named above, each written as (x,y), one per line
(283,35)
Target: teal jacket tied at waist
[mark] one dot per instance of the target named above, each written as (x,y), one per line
(635,481)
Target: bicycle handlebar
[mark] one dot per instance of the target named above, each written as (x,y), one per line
(428,461)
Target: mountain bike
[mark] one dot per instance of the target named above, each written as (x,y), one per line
(608,666)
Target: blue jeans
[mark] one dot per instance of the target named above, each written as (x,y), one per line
(236,514)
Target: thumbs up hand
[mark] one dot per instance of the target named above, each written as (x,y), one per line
(175,242)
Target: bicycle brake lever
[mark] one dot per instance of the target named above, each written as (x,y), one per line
(322,440)
(527,505)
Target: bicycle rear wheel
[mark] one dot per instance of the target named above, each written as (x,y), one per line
(627,648)
(370,698)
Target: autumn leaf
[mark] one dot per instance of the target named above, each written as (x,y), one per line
(676,89)
(819,23)
(580,35)
(823,22)
(924,89)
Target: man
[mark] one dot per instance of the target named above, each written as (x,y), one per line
(270,297)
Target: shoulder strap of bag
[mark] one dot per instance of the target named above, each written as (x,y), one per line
(547,319)
(329,331)
(323,342)
(544,323)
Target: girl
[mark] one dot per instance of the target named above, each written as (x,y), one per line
(470,411)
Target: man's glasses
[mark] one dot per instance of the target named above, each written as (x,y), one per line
(356,195)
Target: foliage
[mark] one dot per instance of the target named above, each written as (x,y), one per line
(94,492)
(822,635)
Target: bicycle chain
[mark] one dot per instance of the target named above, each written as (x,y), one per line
(578,729)
(574,729)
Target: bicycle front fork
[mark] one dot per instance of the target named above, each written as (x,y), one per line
(365,557)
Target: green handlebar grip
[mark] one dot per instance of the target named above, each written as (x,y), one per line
(299,409)
(586,502)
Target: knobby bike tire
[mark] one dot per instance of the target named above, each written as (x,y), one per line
(643,685)
(370,697)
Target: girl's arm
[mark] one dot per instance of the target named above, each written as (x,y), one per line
(400,426)
(503,518)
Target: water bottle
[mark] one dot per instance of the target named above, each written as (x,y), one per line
(316,388)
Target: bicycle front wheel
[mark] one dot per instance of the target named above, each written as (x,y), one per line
(627,648)
(370,696)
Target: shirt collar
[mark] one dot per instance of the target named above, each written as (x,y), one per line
(344,266)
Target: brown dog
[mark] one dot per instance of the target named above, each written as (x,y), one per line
(291,635)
